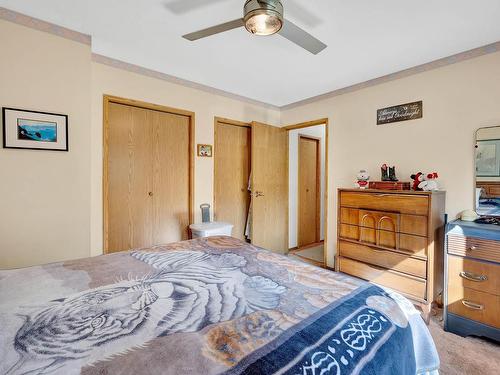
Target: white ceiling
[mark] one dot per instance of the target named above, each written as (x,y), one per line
(366,39)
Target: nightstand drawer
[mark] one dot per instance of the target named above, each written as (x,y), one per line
(473,274)
(383,258)
(475,305)
(474,248)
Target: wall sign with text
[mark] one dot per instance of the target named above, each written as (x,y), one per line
(403,112)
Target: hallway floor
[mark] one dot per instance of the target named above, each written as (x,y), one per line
(312,254)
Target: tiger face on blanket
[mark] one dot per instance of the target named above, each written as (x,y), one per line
(189,291)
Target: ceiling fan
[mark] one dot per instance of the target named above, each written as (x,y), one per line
(264,17)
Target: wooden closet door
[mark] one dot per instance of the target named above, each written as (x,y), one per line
(269,187)
(309,191)
(170,193)
(231,174)
(129,206)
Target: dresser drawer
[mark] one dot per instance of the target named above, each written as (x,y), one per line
(388,221)
(414,224)
(474,248)
(408,285)
(475,305)
(350,232)
(409,224)
(413,245)
(383,258)
(349,215)
(398,203)
(473,274)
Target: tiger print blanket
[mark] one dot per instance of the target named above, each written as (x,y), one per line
(207,306)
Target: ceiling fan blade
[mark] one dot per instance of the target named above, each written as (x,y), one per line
(215,29)
(301,37)
(186,6)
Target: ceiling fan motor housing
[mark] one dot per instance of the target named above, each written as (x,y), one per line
(270,8)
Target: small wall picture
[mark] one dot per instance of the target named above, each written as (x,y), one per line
(34,130)
(403,112)
(205,151)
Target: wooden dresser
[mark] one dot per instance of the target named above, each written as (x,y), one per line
(393,238)
(472,279)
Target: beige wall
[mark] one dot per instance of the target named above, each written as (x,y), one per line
(51,202)
(113,81)
(457,98)
(44,195)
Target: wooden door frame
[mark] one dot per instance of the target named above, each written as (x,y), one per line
(307,124)
(225,121)
(317,235)
(110,99)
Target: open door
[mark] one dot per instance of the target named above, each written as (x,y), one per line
(269,187)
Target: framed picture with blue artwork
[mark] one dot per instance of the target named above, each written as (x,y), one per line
(34,130)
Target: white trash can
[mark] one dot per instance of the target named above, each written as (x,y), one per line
(211,229)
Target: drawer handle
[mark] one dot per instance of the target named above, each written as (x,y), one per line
(473,277)
(472,305)
(399,195)
(472,248)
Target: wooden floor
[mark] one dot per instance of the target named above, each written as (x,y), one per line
(306,254)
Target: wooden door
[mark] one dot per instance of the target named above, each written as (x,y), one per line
(171,154)
(148,175)
(232,162)
(269,187)
(309,180)
(130,160)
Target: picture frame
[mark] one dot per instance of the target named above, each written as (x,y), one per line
(401,112)
(34,130)
(204,151)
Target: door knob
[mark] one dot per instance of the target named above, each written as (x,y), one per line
(150,193)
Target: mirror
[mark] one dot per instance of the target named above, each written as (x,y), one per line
(488,171)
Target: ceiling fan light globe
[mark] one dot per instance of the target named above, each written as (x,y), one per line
(263,22)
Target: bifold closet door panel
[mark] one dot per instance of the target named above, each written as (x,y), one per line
(270,187)
(231,174)
(170,175)
(129,206)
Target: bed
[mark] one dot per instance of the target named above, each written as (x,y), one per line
(207,306)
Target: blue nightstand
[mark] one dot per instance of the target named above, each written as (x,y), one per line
(472,279)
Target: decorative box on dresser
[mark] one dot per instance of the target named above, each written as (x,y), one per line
(395,239)
(472,279)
